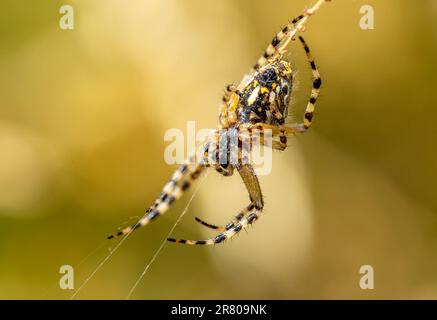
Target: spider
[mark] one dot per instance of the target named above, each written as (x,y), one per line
(259,103)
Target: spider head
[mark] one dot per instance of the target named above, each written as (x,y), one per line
(265,99)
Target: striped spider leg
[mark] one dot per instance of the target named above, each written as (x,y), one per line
(181,180)
(246,217)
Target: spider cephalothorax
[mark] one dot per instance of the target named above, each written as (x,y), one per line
(259,103)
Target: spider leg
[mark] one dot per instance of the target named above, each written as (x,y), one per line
(315,91)
(230,232)
(278,134)
(236,219)
(273,47)
(229,104)
(298,26)
(208,225)
(276,49)
(181,180)
(253,210)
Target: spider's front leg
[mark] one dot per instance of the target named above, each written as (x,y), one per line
(275,49)
(248,216)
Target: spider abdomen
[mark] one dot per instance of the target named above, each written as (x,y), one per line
(265,98)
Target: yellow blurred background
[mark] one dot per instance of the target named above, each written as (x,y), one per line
(82,118)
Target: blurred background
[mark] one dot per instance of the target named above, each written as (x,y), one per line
(83,113)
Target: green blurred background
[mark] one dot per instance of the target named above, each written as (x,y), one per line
(82,118)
